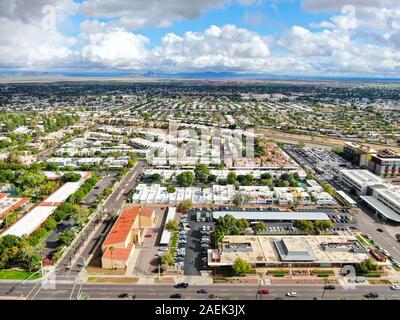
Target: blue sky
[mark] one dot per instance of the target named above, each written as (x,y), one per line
(305,37)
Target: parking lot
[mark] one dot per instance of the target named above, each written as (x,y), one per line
(321,162)
(195,245)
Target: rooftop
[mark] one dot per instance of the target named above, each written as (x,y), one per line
(272,215)
(124,224)
(263,249)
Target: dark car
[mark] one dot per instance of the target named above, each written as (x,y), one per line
(202,291)
(330,287)
(123,295)
(371,295)
(379,229)
(182,285)
(176,296)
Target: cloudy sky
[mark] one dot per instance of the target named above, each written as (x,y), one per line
(302,37)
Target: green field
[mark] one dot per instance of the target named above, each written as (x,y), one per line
(17,275)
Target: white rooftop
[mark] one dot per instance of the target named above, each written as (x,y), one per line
(29,222)
(272,215)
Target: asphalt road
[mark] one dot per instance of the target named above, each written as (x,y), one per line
(70,291)
(114,203)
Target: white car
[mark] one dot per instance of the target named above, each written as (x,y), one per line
(395,287)
(291,294)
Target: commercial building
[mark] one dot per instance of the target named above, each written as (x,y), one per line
(358,154)
(128,230)
(289,251)
(385,163)
(383,198)
(359,180)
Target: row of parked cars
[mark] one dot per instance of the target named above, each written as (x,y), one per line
(205,241)
(181,250)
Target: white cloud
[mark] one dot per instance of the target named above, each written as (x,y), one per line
(115,48)
(221,48)
(30,46)
(334,51)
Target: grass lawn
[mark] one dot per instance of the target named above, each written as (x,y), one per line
(17,275)
(122,280)
(365,241)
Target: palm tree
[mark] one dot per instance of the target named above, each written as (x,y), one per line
(111,249)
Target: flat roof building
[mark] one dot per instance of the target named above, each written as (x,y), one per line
(359,180)
(282,251)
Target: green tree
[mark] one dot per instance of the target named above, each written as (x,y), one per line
(170,188)
(304,225)
(329,189)
(242,224)
(66,237)
(260,227)
(167,259)
(201,173)
(185,179)
(241,267)
(184,205)
(71,177)
(232,177)
(172,225)
(367,266)
(323,225)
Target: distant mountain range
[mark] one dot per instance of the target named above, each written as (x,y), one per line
(189,75)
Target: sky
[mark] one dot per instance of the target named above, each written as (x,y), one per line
(290,37)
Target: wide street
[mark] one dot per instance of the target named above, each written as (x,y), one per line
(114,203)
(70,291)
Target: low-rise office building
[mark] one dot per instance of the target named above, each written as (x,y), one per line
(288,251)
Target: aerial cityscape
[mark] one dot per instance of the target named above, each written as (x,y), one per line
(170,171)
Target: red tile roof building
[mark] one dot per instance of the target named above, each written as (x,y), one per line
(118,247)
